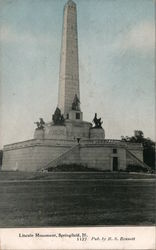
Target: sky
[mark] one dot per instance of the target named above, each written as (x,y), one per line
(116,64)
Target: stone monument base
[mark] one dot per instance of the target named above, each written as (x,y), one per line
(70,130)
(97,133)
(39,133)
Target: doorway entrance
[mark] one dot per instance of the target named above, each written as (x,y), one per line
(115,163)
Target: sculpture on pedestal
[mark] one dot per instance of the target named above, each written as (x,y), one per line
(40,124)
(97,122)
(57,117)
(76,104)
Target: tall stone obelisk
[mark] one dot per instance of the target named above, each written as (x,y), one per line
(69,63)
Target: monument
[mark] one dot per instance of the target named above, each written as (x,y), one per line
(67,138)
(69,63)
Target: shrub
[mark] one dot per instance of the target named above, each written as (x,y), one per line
(135,168)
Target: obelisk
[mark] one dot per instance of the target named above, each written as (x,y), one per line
(69,63)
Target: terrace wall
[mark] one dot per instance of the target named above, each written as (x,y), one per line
(34,154)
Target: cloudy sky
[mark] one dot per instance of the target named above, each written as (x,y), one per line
(116,60)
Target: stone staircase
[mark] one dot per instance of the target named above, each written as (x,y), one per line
(137,160)
(55,162)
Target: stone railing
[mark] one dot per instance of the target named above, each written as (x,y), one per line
(54,142)
(37,142)
(110,142)
(19,144)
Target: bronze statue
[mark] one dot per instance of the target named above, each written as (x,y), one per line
(40,124)
(76,104)
(97,122)
(57,117)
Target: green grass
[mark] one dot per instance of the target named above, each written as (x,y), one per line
(78,201)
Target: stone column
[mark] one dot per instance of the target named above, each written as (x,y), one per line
(69,65)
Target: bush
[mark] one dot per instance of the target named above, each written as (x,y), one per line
(136,168)
(72,168)
(148,147)
(1,157)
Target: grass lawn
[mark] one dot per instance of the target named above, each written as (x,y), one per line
(68,201)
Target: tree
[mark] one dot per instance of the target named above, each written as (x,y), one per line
(148,147)
(1,156)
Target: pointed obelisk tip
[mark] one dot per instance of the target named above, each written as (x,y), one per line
(70,2)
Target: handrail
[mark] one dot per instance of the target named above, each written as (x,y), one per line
(53,162)
(144,165)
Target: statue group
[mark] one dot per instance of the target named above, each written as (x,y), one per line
(40,124)
(57,117)
(97,122)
